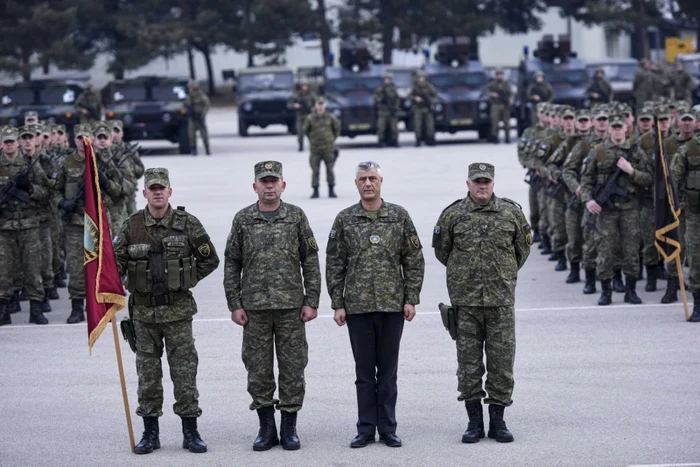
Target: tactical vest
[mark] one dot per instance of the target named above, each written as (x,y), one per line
(693,175)
(22,210)
(605,168)
(74,172)
(570,145)
(647,142)
(160,272)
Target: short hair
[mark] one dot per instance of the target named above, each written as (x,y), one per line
(367,165)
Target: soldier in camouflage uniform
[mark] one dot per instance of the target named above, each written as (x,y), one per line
(323,129)
(483,240)
(272,281)
(636,172)
(538,92)
(197,104)
(31,117)
(600,91)
(164,252)
(386,101)
(131,161)
(302,102)
(682,84)
(500,92)
(685,169)
(527,150)
(58,150)
(424,96)
(374,274)
(89,105)
(644,84)
(20,244)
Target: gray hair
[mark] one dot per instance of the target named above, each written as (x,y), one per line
(367,165)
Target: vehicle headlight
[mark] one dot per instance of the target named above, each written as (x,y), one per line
(438,107)
(167,117)
(406,103)
(337,112)
(51,120)
(483,105)
(247,106)
(128,119)
(586,102)
(12,122)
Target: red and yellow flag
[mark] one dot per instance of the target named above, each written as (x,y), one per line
(104,293)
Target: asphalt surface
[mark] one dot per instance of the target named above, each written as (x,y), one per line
(595,386)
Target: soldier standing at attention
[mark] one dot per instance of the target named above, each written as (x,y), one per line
(132,162)
(621,222)
(540,90)
(323,129)
(164,252)
(600,91)
(500,93)
(424,97)
(682,84)
(484,241)
(386,101)
(197,105)
(272,281)
(644,84)
(374,272)
(89,105)
(302,102)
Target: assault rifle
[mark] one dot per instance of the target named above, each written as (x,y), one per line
(558,190)
(196,116)
(10,190)
(305,108)
(389,102)
(534,180)
(603,195)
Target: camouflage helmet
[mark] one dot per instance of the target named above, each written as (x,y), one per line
(538,73)
(386,75)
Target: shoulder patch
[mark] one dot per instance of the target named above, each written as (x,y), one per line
(331,234)
(512,202)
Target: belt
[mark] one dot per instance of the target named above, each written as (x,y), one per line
(158,300)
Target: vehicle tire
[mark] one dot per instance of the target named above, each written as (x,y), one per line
(242,128)
(184,139)
(484,131)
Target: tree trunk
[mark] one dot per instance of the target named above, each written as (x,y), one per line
(190,62)
(210,70)
(119,73)
(324,32)
(386,20)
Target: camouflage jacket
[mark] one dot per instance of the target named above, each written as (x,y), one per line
(120,176)
(576,160)
(548,144)
(44,208)
(524,144)
(133,163)
(425,91)
(543,90)
(374,264)
(682,85)
(307,100)
(198,101)
(536,138)
(271,265)
(483,248)
(685,169)
(601,87)
(322,130)
(503,89)
(386,99)
(644,85)
(25,215)
(556,160)
(90,101)
(206,259)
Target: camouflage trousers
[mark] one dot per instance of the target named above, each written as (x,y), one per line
(75,259)
(387,128)
(58,240)
(647,221)
(20,257)
(574,233)
(500,113)
(301,116)
(280,332)
(182,359)
(315,162)
(534,209)
(542,201)
(195,125)
(557,224)
(590,252)
(618,228)
(671,267)
(491,329)
(47,277)
(692,241)
(424,117)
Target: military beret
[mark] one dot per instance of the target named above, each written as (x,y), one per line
(156,176)
(268,169)
(481,170)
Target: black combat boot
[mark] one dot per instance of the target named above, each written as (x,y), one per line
(651,278)
(497,427)
(606,296)
(475,428)
(661,273)
(617,284)
(331,191)
(671,295)
(417,143)
(575,274)
(45,305)
(267,436)
(5,317)
(694,318)
(22,297)
(507,137)
(59,281)
(536,237)
(431,141)
(150,440)
(631,292)
(14,305)
(314,195)
(36,316)
(77,314)
(301,145)
(546,245)
(381,144)
(589,286)
(193,151)
(288,431)
(554,256)
(207,151)
(191,439)
(561,262)
(52,293)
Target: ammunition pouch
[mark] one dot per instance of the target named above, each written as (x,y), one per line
(449,319)
(693,203)
(151,300)
(129,333)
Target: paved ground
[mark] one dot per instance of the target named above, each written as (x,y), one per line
(595,386)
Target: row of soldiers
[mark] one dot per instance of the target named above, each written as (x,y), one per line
(42,209)
(592,199)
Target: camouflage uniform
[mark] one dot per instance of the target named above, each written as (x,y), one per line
(133,164)
(197,103)
(672,145)
(386,101)
(374,266)
(602,87)
(423,110)
(306,99)
(89,100)
(500,107)
(550,142)
(161,305)
(647,219)
(644,87)
(682,85)
(322,129)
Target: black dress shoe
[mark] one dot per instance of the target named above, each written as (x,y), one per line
(390,439)
(362,440)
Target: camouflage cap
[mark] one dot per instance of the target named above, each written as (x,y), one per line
(268,169)
(321,100)
(46,129)
(553,110)
(38,128)
(499,70)
(685,112)
(646,112)
(157,176)
(600,70)
(102,129)
(117,124)
(663,111)
(386,74)
(617,120)
(192,83)
(421,74)
(27,130)
(601,111)
(9,133)
(682,103)
(538,73)
(82,129)
(481,170)
(541,107)
(31,114)
(583,114)
(625,109)
(60,128)
(566,112)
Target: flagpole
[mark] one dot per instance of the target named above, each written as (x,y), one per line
(123,381)
(682,284)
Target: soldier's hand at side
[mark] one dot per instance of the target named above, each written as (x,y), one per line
(578,191)
(552,180)
(340,317)
(536,98)
(595,95)
(593,207)
(625,166)
(308,313)
(419,99)
(84,111)
(297,106)
(240,317)
(409,312)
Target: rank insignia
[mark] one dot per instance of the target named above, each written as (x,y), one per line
(374,239)
(415,241)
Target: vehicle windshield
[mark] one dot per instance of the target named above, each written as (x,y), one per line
(129,93)
(264,81)
(402,79)
(18,96)
(58,95)
(474,80)
(617,72)
(166,92)
(571,77)
(692,67)
(343,85)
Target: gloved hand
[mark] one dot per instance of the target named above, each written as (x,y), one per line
(67,205)
(104,181)
(22,182)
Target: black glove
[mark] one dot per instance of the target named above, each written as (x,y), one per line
(22,182)
(67,205)
(104,181)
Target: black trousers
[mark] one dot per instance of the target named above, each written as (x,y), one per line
(375,339)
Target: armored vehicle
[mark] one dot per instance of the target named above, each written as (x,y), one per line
(262,95)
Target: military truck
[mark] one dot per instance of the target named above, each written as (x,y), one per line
(460,80)
(403,76)
(151,107)
(262,97)
(562,69)
(620,73)
(52,99)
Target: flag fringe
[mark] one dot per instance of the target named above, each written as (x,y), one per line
(660,233)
